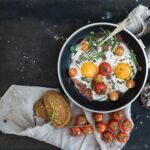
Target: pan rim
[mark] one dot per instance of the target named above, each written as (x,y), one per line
(78,31)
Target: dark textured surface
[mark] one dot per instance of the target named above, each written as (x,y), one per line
(31,35)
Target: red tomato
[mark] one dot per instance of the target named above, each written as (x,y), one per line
(113,125)
(100,88)
(76,130)
(72,72)
(104,69)
(122,137)
(105,47)
(101,127)
(81,120)
(126,125)
(117,115)
(87,129)
(98,117)
(107,136)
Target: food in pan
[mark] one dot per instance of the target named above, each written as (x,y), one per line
(110,128)
(102,71)
(54,108)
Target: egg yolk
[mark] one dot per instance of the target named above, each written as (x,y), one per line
(89,70)
(123,71)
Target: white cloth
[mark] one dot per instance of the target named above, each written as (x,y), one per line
(17,117)
(139,21)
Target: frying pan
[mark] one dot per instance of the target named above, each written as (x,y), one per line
(72,92)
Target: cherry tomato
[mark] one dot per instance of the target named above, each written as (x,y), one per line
(100,88)
(114,96)
(84,46)
(122,137)
(117,115)
(107,136)
(130,84)
(87,129)
(98,117)
(113,125)
(98,78)
(72,72)
(126,125)
(76,130)
(104,69)
(81,120)
(119,51)
(101,127)
(105,47)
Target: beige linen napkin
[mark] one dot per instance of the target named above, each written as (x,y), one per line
(17,117)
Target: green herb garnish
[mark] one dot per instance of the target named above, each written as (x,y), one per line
(133,57)
(73,49)
(92,32)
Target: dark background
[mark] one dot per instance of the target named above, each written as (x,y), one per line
(32,33)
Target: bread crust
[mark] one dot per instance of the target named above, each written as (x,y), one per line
(54,108)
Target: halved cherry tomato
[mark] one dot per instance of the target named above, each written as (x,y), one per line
(101,127)
(130,84)
(76,130)
(98,117)
(107,136)
(72,72)
(100,88)
(84,46)
(126,125)
(105,47)
(104,69)
(81,120)
(119,50)
(113,125)
(98,78)
(122,137)
(114,96)
(87,129)
(117,115)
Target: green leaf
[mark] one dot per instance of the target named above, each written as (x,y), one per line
(114,44)
(133,57)
(92,32)
(73,49)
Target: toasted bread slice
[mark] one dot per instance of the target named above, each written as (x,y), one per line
(40,110)
(58,109)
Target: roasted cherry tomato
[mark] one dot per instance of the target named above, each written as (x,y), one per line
(101,127)
(119,51)
(114,96)
(113,125)
(87,129)
(117,115)
(76,130)
(100,88)
(105,47)
(84,46)
(81,120)
(104,69)
(122,137)
(98,117)
(98,78)
(130,84)
(126,125)
(107,136)
(72,72)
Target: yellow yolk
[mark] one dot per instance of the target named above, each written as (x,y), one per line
(123,71)
(89,70)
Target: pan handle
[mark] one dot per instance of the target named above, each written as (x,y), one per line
(147,52)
